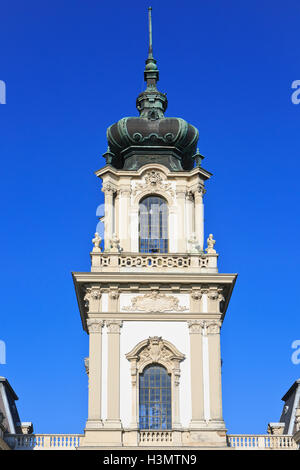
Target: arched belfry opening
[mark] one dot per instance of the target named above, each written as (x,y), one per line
(153,225)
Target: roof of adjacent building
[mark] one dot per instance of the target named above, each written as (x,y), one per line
(291,403)
(10,416)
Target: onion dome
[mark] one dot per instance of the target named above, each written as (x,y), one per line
(152,137)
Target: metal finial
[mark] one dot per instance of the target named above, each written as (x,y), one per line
(150,32)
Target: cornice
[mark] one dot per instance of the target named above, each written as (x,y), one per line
(161,277)
(189,280)
(108,169)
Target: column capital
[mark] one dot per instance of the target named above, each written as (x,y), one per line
(199,190)
(189,195)
(114,294)
(92,293)
(195,326)
(213,327)
(216,294)
(108,188)
(196,294)
(95,325)
(114,326)
(181,191)
(124,191)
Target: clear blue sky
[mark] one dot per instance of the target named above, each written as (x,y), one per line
(74,67)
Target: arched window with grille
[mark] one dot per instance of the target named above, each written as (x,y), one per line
(153,225)
(155,398)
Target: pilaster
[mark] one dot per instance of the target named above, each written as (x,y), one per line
(108,190)
(181,232)
(199,214)
(95,373)
(196,361)
(189,214)
(124,220)
(113,420)
(215,384)
(175,402)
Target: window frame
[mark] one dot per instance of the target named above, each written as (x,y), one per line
(160,245)
(155,390)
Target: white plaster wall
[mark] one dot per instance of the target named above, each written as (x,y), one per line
(134,332)
(104,302)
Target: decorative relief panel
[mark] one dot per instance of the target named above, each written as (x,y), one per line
(154,302)
(155,350)
(153,180)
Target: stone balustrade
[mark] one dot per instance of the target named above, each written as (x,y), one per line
(261,441)
(149,438)
(43,441)
(193,262)
(155,438)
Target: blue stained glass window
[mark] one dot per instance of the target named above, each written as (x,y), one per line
(155,398)
(153,229)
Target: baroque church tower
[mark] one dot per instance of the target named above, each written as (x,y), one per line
(154,302)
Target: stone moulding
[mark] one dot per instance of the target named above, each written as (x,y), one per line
(153,180)
(154,302)
(155,350)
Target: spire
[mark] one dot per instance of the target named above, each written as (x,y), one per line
(151,103)
(151,74)
(150,54)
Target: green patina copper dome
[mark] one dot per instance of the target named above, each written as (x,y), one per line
(151,137)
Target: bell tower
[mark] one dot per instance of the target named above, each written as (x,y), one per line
(154,302)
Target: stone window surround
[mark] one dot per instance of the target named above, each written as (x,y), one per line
(155,350)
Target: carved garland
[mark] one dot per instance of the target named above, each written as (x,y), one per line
(153,181)
(154,302)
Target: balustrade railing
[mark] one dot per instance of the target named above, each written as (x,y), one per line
(147,438)
(261,441)
(155,437)
(123,261)
(43,441)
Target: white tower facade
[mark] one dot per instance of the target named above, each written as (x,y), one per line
(154,302)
